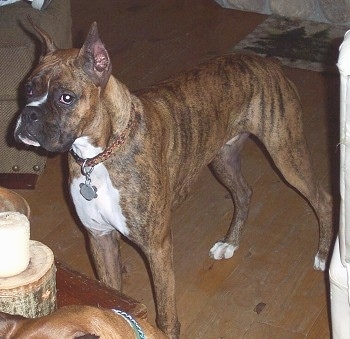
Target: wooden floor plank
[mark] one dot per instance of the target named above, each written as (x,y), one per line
(265,331)
(320,329)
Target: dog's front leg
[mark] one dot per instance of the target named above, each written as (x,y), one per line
(106,253)
(160,257)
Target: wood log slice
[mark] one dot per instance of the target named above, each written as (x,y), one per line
(31,293)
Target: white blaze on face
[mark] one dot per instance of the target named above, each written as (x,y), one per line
(39,101)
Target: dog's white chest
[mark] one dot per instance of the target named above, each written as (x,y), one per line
(103,213)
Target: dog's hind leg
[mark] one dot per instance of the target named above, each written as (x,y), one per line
(226,167)
(287,146)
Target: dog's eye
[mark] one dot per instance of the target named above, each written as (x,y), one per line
(66,99)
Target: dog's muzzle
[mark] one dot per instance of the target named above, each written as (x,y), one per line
(25,127)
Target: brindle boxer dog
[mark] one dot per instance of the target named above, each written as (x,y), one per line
(134,156)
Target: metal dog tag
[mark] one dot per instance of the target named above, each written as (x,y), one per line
(88,191)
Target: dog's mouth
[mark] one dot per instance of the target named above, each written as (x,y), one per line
(28,141)
(53,145)
(22,135)
(47,136)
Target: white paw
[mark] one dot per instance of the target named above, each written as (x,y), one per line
(222,250)
(319,264)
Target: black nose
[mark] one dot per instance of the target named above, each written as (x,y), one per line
(31,114)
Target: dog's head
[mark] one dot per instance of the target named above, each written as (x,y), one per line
(63,92)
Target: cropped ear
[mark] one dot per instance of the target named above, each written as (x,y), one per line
(94,58)
(48,43)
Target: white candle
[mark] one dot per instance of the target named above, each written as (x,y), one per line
(14,243)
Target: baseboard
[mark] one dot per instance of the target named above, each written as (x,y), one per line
(18,181)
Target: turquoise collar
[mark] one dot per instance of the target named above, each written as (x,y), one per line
(133,323)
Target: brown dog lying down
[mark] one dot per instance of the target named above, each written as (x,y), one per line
(77,322)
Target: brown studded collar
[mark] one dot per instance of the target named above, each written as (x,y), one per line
(117,142)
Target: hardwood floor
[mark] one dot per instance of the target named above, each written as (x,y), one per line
(269,288)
